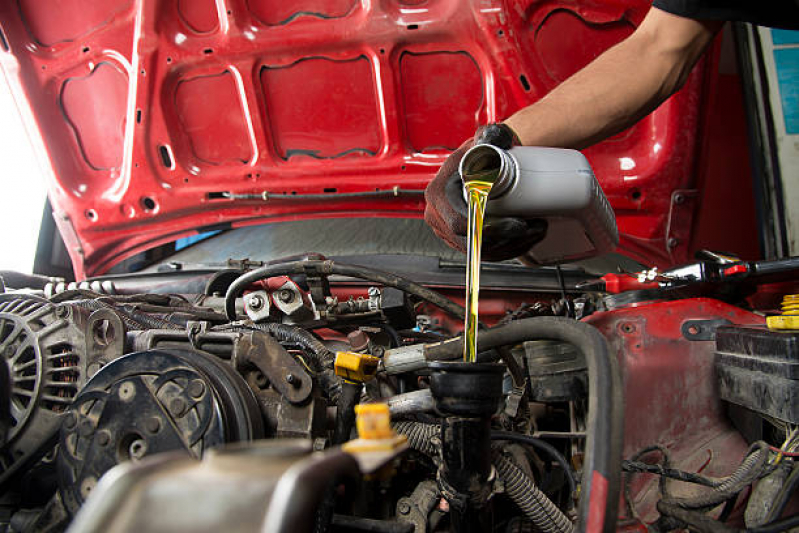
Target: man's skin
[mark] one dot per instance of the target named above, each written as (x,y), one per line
(620,87)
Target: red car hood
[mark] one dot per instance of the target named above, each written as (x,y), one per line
(153,113)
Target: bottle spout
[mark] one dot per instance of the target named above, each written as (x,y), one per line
(485,162)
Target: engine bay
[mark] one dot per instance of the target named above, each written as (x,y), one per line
(595,396)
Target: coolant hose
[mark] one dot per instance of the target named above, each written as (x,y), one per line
(539,509)
(327,268)
(599,500)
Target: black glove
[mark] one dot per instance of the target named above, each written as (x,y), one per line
(446,211)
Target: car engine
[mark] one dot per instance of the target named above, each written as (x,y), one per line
(133,399)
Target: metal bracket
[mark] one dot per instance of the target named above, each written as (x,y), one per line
(702,330)
(285,374)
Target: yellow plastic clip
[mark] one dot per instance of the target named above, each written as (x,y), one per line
(783,322)
(373,421)
(375,434)
(356,367)
(790,314)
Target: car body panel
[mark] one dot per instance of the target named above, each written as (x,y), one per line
(152,113)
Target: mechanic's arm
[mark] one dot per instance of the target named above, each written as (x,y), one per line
(619,87)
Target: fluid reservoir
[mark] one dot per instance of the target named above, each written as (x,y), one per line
(555,184)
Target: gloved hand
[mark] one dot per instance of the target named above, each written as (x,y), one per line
(446,211)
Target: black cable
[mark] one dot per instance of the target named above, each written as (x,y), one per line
(326,268)
(628,500)
(639,467)
(562,284)
(545,447)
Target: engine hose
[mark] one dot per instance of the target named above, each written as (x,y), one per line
(747,473)
(420,436)
(605,424)
(520,488)
(535,505)
(328,267)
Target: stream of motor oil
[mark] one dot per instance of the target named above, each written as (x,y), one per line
(477,185)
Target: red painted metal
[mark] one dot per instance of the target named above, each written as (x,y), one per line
(148,109)
(669,390)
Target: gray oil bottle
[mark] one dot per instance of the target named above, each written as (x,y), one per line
(554,184)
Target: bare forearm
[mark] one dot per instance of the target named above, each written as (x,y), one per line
(620,87)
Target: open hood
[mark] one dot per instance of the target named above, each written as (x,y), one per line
(159,119)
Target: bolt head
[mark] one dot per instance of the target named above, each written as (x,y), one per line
(285,295)
(103,438)
(152,424)
(255,302)
(196,388)
(177,406)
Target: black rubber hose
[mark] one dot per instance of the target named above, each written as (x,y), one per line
(345,412)
(545,447)
(328,267)
(605,425)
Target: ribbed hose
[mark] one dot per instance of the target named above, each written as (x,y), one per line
(539,509)
(420,436)
(133,321)
(747,473)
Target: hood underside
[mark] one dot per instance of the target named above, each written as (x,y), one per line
(160,119)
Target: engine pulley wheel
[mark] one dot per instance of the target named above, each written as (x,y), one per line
(146,403)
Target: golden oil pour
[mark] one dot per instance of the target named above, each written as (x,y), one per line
(478,185)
